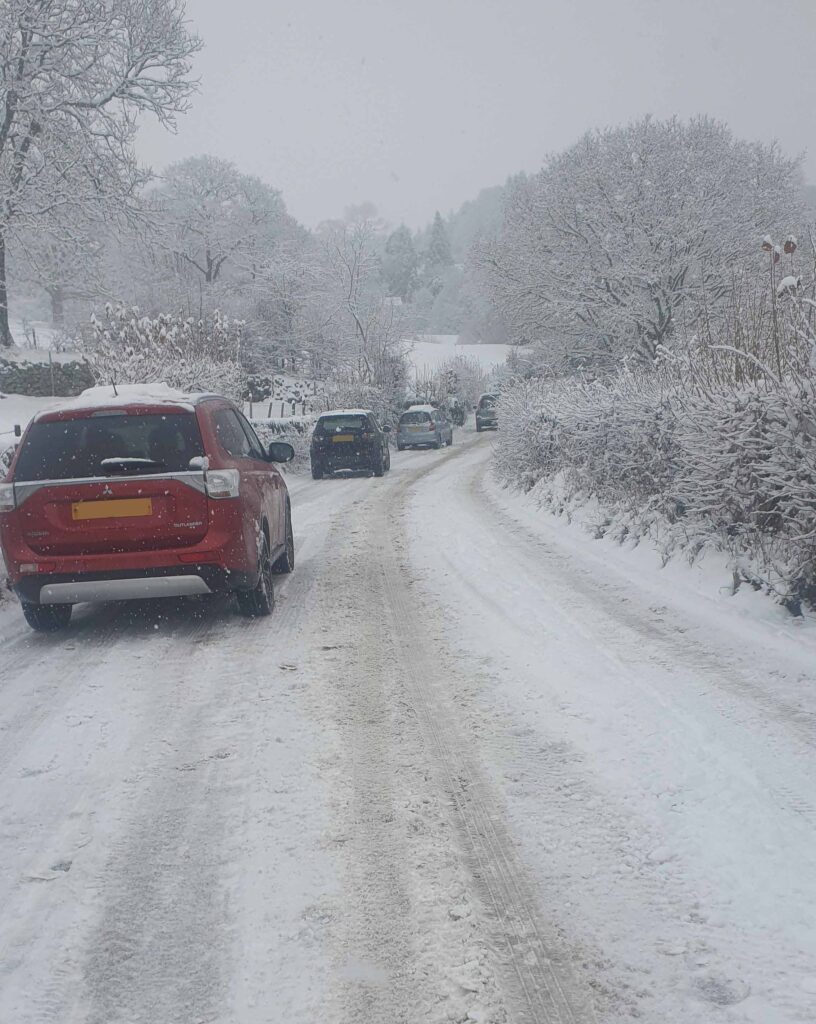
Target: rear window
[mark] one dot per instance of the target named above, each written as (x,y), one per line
(487,402)
(337,424)
(70,449)
(415,417)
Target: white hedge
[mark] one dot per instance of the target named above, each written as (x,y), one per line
(728,467)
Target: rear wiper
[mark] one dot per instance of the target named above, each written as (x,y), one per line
(130,465)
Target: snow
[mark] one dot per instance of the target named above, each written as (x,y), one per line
(477,764)
(346,412)
(18,410)
(430,351)
(108,397)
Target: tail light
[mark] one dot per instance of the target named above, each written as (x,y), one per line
(365,437)
(432,425)
(222,483)
(7,499)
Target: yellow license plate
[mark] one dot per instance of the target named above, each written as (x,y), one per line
(120,508)
(342,437)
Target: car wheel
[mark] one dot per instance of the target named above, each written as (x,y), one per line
(437,444)
(286,562)
(317,471)
(388,459)
(379,466)
(478,428)
(47,618)
(260,600)
(400,447)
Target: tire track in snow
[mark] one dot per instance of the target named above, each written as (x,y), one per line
(539,983)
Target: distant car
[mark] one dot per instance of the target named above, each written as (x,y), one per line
(349,439)
(423,426)
(145,493)
(487,417)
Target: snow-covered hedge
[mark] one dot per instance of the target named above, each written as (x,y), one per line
(296,430)
(730,466)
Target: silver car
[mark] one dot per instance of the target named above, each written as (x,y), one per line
(423,426)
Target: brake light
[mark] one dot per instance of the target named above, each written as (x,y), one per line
(28,568)
(222,483)
(365,437)
(7,500)
(432,425)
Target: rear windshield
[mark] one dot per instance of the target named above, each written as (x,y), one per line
(70,449)
(337,424)
(415,417)
(487,402)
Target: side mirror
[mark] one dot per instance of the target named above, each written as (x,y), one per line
(386,429)
(199,462)
(280,451)
(18,430)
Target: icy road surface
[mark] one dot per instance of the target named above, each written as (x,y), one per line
(471,770)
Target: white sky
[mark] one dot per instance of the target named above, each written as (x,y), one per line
(415,105)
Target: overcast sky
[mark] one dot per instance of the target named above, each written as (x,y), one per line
(415,105)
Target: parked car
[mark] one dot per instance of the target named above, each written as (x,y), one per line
(148,493)
(487,417)
(349,439)
(423,426)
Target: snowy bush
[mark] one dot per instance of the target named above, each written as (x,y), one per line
(297,431)
(710,448)
(124,347)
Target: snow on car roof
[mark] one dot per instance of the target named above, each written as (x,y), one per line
(107,397)
(421,408)
(347,412)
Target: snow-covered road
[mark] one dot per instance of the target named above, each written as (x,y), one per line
(472,769)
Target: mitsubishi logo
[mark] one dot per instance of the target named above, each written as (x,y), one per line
(106,491)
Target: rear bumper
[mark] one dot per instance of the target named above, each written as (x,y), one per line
(129,584)
(330,461)
(485,424)
(406,440)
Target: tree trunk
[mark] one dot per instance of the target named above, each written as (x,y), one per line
(57,296)
(6,340)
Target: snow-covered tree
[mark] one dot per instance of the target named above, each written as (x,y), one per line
(125,347)
(633,232)
(400,265)
(213,219)
(437,257)
(75,75)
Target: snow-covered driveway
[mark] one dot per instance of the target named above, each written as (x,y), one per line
(470,770)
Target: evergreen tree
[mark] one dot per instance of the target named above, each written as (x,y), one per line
(437,256)
(400,266)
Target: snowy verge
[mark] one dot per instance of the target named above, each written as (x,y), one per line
(701,587)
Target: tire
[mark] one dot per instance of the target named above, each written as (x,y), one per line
(259,601)
(478,428)
(317,471)
(47,618)
(388,460)
(379,466)
(436,444)
(400,447)
(286,563)
(449,442)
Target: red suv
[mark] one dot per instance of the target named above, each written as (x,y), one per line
(143,493)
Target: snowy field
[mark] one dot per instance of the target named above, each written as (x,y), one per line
(429,351)
(452,779)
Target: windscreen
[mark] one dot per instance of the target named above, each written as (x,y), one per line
(415,417)
(71,449)
(487,402)
(337,424)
